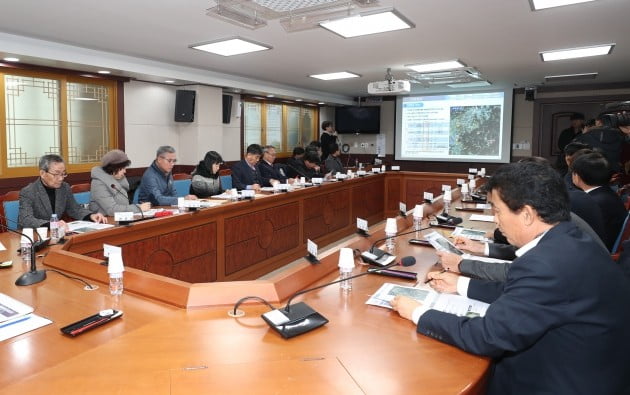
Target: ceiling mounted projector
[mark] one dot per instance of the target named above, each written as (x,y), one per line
(389,87)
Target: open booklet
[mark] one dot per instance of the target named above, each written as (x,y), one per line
(86,226)
(17,318)
(448,303)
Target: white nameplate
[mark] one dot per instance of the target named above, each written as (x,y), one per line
(362,224)
(248,193)
(472,170)
(361,173)
(317,180)
(376,170)
(109,249)
(446,188)
(428,196)
(123,216)
(460,181)
(396,168)
(311,247)
(471,176)
(402,207)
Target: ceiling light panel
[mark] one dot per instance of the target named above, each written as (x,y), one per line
(437,66)
(368,23)
(231,46)
(574,53)
(334,76)
(544,4)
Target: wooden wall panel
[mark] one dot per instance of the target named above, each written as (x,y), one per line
(368,201)
(326,213)
(256,236)
(189,243)
(201,269)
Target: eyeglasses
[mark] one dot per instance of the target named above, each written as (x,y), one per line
(169,160)
(58,175)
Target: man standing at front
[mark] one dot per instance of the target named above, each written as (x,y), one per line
(50,194)
(558,325)
(156,185)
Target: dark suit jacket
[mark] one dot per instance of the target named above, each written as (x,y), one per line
(558,325)
(583,205)
(613,213)
(267,172)
(299,169)
(243,175)
(35,209)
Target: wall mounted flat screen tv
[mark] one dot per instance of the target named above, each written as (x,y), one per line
(358,119)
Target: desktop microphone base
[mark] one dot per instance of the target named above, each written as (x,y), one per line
(31,278)
(300,318)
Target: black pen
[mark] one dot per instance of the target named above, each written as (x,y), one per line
(429,279)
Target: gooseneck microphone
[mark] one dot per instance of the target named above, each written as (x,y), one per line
(33,276)
(294,320)
(406,261)
(127,197)
(378,253)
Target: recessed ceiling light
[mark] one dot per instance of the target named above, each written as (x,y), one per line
(103,71)
(474,84)
(321,103)
(298,99)
(271,95)
(169,81)
(573,53)
(437,66)
(231,46)
(334,76)
(11,59)
(565,77)
(368,23)
(543,4)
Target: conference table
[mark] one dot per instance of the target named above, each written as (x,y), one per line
(176,336)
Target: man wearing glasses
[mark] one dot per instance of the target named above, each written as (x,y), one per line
(38,198)
(157,185)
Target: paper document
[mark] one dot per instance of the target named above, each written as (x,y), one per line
(480,217)
(21,325)
(472,234)
(441,243)
(2,247)
(11,308)
(86,226)
(448,303)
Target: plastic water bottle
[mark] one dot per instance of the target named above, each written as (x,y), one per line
(390,243)
(115,269)
(346,264)
(116,283)
(25,244)
(54,227)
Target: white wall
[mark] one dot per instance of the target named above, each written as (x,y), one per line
(149,113)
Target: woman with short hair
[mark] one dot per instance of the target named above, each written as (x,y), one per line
(109,189)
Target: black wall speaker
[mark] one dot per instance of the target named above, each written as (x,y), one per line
(227,108)
(184,106)
(530,94)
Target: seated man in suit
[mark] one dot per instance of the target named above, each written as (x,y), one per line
(333,163)
(270,174)
(495,271)
(307,167)
(298,154)
(245,173)
(591,174)
(50,194)
(156,185)
(555,325)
